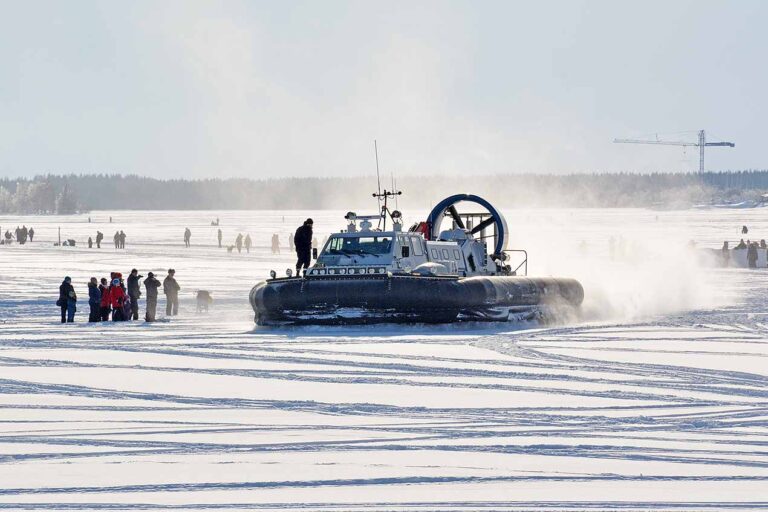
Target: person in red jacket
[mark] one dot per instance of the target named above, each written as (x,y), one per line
(106,300)
(117,298)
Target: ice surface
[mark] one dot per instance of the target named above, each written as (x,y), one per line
(657,399)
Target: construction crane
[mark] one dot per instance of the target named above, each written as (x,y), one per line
(701,145)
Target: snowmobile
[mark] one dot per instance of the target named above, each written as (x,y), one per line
(366,274)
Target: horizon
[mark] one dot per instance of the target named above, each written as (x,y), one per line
(385,180)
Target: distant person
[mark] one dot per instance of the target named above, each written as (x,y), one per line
(744,230)
(275,244)
(187,236)
(122,239)
(290,242)
(134,292)
(726,254)
(302,240)
(67,301)
(89,220)
(741,245)
(151,284)
(90,243)
(239,242)
(219,237)
(752,255)
(24,234)
(94,300)
(110,219)
(99,238)
(248,242)
(105,307)
(762,244)
(171,290)
(217,221)
(31,234)
(117,299)
(116,238)
(8,236)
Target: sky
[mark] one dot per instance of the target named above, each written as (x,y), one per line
(264,89)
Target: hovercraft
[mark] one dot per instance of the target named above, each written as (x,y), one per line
(368,275)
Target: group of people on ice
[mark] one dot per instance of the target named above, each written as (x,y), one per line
(119,239)
(240,242)
(21,235)
(114,298)
(752,248)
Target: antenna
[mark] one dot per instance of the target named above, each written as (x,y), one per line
(378,177)
(386,194)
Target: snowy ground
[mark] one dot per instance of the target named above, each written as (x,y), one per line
(657,399)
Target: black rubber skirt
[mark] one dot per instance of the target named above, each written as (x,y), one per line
(406,299)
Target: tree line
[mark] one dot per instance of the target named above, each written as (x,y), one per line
(65,194)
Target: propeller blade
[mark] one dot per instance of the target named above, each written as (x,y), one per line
(456,218)
(487,222)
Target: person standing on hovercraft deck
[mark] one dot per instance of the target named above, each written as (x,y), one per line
(302,240)
(67,300)
(171,290)
(151,284)
(134,292)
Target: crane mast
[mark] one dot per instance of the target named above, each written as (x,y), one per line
(701,144)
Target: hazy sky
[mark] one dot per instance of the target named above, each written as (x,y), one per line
(261,89)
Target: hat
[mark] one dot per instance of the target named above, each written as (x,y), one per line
(68,279)
(134,270)
(150,274)
(308,221)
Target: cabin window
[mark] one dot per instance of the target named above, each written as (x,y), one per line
(435,256)
(456,255)
(360,245)
(416,244)
(446,255)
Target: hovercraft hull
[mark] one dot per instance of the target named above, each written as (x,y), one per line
(409,299)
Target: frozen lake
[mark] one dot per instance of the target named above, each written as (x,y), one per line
(656,399)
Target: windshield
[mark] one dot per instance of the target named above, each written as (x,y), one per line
(373,245)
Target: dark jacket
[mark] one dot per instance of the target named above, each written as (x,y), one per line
(94,294)
(67,292)
(170,286)
(151,284)
(303,239)
(134,290)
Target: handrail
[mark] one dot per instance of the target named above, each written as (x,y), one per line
(524,262)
